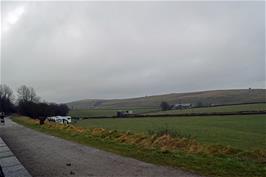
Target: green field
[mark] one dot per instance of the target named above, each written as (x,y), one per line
(105,112)
(241,131)
(218,109)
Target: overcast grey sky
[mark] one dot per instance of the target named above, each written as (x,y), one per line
(77,50)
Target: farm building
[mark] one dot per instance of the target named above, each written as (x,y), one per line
(182,106)
(124,113)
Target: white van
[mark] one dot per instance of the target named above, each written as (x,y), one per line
(60,119)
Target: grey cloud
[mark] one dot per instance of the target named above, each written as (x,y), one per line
(76,50)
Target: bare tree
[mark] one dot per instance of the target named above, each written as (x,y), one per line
(27,94)
(33,95)
(6,92)
(6,99)
(165,106)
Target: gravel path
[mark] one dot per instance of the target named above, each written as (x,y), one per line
(47,156)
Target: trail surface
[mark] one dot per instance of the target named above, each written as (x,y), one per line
(48,156)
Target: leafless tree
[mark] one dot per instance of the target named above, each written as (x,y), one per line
(6,92)
(6,99)
(27,94)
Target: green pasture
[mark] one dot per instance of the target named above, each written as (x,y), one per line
(245,132)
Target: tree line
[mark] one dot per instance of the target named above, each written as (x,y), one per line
(27,103)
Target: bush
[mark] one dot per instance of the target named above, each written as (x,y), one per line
(41,110)
(165,106)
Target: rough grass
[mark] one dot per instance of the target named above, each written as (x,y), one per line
(186,153)
(242,131)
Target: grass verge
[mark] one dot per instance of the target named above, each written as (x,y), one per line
(184,153)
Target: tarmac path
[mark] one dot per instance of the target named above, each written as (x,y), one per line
(48,156)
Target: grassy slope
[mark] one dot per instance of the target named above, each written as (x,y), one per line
(244,132)
(209,165)
(213,97)
(232,108)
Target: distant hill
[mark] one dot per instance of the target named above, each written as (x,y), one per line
(213,97)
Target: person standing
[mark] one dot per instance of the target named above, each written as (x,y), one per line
(2,118)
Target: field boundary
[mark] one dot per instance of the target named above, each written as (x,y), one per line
(180,115)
